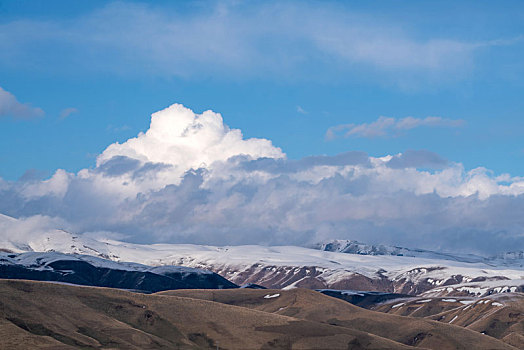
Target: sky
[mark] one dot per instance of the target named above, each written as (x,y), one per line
(278,122)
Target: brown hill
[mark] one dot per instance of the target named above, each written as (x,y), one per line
(54,316)
(314,306)
(500,316)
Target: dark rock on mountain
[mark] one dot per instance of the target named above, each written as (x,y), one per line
(91,271)
(362,298)
(253,286)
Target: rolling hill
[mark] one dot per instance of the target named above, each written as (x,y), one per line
(499,315)
(316,307)
(40,315)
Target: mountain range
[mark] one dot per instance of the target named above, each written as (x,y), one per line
(402,297)
(334,265)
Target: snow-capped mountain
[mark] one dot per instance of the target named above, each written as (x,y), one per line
(92,271)
(513,259)
(288,266)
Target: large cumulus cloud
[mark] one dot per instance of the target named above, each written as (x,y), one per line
(190,178)
(185,140)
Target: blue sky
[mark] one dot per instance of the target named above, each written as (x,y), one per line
(53,58)
(391,122)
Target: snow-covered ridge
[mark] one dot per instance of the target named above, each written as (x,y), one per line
(42,261)
(283,266)
(92,271)
(510,259)
(478,289)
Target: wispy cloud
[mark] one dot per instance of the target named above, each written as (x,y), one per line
(11,107)
(385,126)
(301,110)
(117,129)
(65,113)
(234,38)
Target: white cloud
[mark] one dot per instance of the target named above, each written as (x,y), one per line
(57,186)
(384,126)
(190,178)
(184,140)
(11,107)
(18,233)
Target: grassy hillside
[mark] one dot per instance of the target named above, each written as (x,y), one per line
(313,306)
(53,316)
(500,315)
(40,315)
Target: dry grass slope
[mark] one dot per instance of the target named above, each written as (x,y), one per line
(314,306)
(39,315)
(500,316)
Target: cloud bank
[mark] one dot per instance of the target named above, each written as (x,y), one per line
(11,107)
(190,178)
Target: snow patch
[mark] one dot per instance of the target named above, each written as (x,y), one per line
(270,296)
